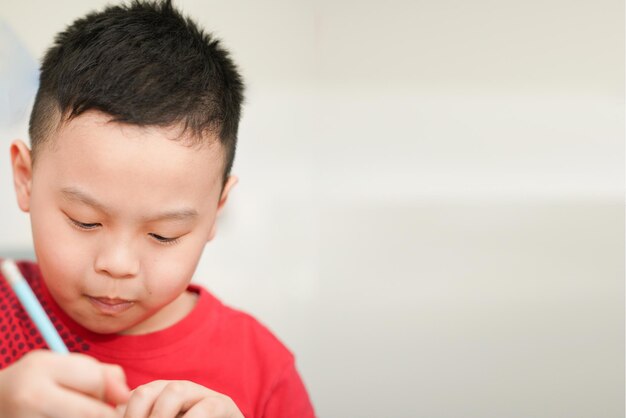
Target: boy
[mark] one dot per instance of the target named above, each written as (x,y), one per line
(133,135)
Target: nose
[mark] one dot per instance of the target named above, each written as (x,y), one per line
(117,259)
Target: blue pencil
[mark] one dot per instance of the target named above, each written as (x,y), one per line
(32,306)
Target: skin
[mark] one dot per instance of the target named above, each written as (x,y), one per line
(120,215)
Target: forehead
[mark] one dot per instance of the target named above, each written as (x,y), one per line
(122,159)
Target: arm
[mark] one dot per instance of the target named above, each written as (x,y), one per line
(46,384)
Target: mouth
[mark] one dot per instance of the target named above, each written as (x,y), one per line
(110,306)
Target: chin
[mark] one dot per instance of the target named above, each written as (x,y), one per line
(104,325)
(102,328)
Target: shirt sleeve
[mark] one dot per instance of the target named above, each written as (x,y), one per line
(289,398)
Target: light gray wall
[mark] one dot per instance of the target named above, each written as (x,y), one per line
(431,205)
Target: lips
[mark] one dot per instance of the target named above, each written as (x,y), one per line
(110,306)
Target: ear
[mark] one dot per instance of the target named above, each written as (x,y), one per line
(22,173)
(230,183)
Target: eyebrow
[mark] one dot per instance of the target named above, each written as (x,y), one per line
(74,194)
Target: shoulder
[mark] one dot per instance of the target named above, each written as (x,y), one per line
(30,271)
(251,353)
(233,326)
(18,334)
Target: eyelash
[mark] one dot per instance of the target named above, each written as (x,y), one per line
(164,240)
(84,225)
(158,238)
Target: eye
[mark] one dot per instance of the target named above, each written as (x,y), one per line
(83,225)
(164,240)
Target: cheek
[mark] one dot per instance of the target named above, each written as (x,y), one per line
(59,255)
(168,275)
(54,235)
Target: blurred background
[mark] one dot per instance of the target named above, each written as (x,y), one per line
(431,203)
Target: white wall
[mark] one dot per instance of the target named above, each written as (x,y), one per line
(431,205)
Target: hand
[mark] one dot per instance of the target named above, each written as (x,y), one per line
(51,385)
(178,398)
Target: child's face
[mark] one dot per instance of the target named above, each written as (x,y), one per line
(120,216)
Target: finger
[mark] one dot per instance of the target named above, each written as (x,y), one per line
(80,373)
(177,397)
(121,410)
(214,407)
(116,390)
(142,398)
(63,403)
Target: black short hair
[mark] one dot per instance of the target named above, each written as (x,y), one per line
(142,63)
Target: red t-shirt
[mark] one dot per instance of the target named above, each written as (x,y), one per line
(218,347)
